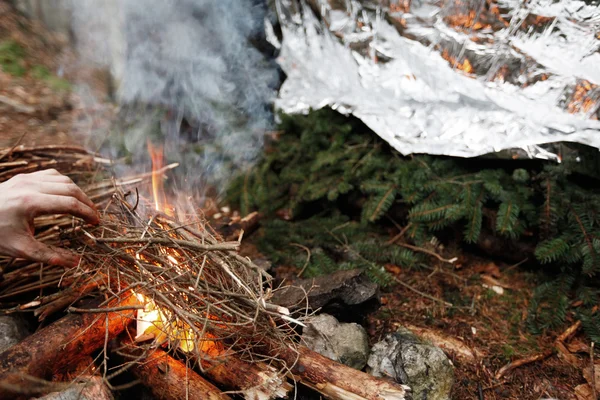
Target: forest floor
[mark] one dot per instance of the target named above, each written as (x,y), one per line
(481,332)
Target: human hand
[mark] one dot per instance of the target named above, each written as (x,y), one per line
(26,196)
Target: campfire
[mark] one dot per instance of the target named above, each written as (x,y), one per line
(155,287)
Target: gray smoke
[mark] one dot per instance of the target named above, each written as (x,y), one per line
(186,75)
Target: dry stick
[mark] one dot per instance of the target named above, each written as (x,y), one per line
(308,254)
(429,252)
(169,242)
(10,151)
(517,265)
(168,378)
(17,106)
(104,310)
(66,297)
(427,296)
(593,372)
(57,347)
(563,337)
(399,235)
(523,361)
(51,147)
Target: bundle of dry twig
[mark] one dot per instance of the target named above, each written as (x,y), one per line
(197,291)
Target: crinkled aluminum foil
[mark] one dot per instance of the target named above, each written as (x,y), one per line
(530,76)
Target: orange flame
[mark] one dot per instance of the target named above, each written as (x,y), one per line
(158,191)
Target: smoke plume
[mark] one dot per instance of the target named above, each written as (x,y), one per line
(186,75)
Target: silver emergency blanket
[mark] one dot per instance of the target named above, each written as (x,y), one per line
(462,78)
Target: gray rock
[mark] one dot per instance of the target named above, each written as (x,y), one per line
(13,329)
(345,343)
(423,367)
(348,287)
(93,389)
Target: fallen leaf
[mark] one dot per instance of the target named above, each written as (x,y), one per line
(566,355)
(577,346)
(494,282)
(490,269)
(587,374)
(393,269)
(584,392)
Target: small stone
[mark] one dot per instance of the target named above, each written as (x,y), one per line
(345,343)
(93,389)
(13,329)
(423,367)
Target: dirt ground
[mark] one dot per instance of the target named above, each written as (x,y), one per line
(46,96)
(483,330)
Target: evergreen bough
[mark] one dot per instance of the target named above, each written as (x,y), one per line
(324,169)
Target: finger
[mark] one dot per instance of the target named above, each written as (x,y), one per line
(37,251)
(50,171)
(47,175)
(50,175)
(54,178)
(52,204)
(66,189)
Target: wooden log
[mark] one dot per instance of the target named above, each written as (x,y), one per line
(65,343)
(93,388)
(168,378)
(256,381)
(233,229)
(337,381)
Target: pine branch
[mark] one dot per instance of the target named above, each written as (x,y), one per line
(378,205)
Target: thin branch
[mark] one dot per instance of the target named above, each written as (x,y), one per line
(427,296)
(308,254)
(429,252)
(103,310)
(169,242)
(593,372)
